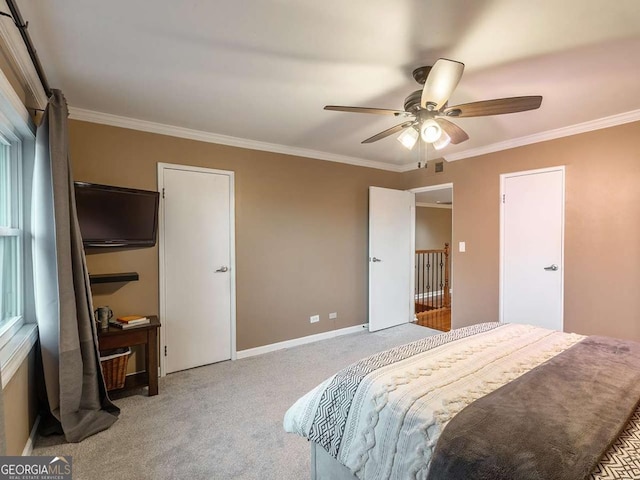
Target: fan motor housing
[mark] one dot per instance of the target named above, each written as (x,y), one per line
(420,74)
(412,102)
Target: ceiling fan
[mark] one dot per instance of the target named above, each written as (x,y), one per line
(426,111)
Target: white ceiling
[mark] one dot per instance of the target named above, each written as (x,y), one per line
(263,69)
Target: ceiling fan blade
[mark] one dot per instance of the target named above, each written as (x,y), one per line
(387,132)
(456,134)
(441,82)
(497,106)
(375,111)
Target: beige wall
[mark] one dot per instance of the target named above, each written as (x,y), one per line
(20,406)
(301,230)
(602,228)
(433,228)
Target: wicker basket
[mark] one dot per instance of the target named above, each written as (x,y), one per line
(114,367)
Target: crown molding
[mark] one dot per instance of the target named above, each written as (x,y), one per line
(199,135)
(606,122)
(407,167)
(202,136)
(14,108)
(17,51)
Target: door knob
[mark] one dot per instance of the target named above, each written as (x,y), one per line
(551,268)
(222,270)
(374,259)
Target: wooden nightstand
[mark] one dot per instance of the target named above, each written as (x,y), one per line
(146,335)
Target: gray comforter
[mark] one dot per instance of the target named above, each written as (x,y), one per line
(543,425)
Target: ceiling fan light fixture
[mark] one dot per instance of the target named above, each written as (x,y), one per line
(430,131)
(408,138)
(442,142)
(426,110)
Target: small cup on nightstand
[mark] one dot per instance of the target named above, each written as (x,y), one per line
(103,315)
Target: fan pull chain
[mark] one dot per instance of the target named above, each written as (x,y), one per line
(426,152)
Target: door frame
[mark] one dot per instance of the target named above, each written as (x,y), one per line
(430,188)
(161,253)
(503,178)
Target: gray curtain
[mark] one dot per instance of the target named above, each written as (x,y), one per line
(75,389)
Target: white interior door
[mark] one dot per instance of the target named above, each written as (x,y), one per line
(532,248)
(391,257)
(197,275)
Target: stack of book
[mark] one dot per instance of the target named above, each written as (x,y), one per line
(129,321)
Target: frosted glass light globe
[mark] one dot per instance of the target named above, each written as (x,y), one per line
(408,138)
(430,131)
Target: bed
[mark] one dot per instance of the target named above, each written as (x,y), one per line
(490,401)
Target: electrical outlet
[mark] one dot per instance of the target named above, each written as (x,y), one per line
(314,318)
(333,315)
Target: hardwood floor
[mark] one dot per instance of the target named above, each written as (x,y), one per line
(439,319)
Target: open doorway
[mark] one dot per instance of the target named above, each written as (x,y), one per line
(432,267)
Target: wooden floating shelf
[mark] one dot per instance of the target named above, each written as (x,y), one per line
(113,277)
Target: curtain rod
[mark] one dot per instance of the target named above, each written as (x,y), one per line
(22,27)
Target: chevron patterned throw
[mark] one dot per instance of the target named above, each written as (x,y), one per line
(622,460)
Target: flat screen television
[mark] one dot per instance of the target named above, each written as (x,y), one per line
(115,216)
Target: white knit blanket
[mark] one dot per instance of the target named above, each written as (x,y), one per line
(386,423)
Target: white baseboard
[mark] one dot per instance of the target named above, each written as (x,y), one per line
(31,441)
(250,352)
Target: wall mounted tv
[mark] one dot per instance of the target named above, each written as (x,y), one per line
(116,217)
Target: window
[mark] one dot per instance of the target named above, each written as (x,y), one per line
(11,251)
(18,328)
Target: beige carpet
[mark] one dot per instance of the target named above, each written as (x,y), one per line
(222,421)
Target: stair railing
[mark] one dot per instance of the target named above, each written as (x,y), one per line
(432,279)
